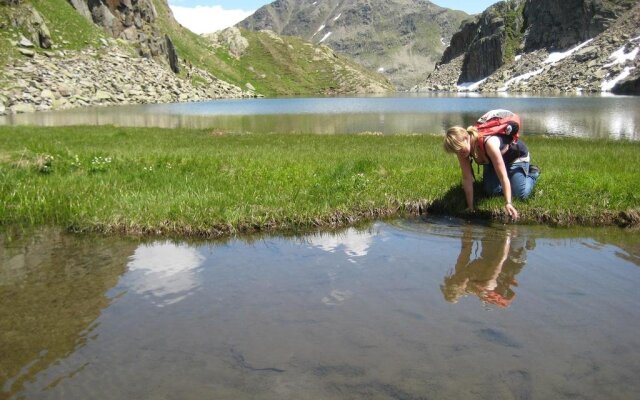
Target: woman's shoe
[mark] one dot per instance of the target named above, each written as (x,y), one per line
(534,171)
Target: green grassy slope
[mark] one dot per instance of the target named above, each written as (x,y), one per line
(288,65)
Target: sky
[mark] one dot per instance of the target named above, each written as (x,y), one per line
(205,16)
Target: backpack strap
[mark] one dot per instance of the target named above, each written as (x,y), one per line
(481,143)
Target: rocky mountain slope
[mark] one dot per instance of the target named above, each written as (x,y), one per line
(544,46)
(284,65)
(400,38)
(57,54)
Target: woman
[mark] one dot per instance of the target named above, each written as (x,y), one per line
(506,168)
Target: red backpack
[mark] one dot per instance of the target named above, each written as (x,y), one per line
(498,122)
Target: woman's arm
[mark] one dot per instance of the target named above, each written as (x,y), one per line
(467,180)
(492,149)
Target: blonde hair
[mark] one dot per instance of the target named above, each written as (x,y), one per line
(456,136)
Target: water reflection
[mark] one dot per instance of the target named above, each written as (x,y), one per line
(616,117)
(617,124)
(164,272)
(355,314)
(487,266)
(354,243)
(52,290)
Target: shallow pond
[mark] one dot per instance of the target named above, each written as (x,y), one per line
(408,309)
(616,117)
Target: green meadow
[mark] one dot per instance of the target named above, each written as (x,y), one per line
(211,183)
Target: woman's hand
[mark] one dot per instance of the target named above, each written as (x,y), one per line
(511,210)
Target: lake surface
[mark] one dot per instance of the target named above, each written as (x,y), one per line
(409,309)
(596,116)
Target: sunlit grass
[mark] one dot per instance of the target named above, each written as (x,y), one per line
(196,182)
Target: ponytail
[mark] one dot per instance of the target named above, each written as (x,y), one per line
(475,135)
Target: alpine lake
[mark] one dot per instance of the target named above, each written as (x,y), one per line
(421,308)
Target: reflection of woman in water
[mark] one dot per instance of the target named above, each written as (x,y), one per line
(491,274)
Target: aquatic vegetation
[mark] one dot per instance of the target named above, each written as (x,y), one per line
(193,183)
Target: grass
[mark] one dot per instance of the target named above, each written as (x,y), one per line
(203,183)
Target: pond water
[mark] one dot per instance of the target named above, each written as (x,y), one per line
(616,117)
(408,309)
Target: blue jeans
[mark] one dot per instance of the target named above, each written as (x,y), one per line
(522,182)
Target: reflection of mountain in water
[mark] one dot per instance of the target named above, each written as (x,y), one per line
(164,272)
(52,288)
(614,124)
(583,116)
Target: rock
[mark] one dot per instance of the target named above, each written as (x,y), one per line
(39,29)
(172,55)
(3,109)
(33,25)
(47,94)
(147,10)
(25,43)
(483,41)
(585,69)
(600,74)
(102,16)
(43,107)
(81,7)
(103,95)
(27,52)
(586,53)
(65,90)
(81,79)
(165,98)
(250,86)
(559,25)
(60,104)
(629,85)
(22,108)
(80,99)
(233,39)
(130,34)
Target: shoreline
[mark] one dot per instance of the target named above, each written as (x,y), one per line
(629,220)
(626,220)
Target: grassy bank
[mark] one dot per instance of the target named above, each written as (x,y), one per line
(203,183)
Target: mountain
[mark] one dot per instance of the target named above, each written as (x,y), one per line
(58,54)
(544,46)
(401,38)
(285,65)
